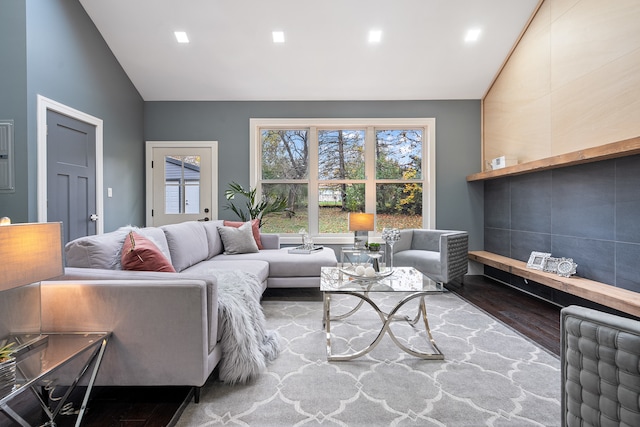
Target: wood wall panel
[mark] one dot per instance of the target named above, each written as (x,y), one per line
(586,113)
(589,36)
(572,82)
(519,98)
(559,7)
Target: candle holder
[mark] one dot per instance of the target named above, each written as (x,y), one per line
(390,236)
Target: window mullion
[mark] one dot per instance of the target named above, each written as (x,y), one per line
(314,173)
(370,169)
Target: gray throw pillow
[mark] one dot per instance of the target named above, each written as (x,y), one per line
(238,240)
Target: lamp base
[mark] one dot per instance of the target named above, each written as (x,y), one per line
(360,239)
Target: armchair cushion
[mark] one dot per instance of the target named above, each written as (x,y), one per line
(427,262)
(426,240)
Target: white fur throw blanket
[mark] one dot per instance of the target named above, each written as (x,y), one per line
(246,345)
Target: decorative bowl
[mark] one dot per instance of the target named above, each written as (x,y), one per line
(379,275)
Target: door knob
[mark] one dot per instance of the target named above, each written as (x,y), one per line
(206,218)
(93,217)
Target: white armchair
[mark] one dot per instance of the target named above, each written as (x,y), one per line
(440,254)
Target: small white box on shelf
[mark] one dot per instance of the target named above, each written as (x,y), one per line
(503,162)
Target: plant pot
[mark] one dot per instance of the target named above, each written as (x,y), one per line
(7,376)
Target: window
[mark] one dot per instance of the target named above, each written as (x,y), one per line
(329,167)
(182,184)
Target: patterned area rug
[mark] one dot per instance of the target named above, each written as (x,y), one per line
(491,375)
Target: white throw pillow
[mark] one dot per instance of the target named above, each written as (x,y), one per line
(238,240)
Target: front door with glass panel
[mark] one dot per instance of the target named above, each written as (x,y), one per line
(181,183)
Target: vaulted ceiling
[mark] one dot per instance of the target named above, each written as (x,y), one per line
(326,55)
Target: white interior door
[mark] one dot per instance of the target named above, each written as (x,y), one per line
(182,181)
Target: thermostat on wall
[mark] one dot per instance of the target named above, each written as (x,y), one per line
(502,162)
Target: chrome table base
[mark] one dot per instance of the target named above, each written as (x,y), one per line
(386,319)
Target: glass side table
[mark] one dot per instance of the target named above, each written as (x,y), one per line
(352,257)
(38,358)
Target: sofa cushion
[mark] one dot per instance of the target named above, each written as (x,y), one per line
(284,264)
(187,243)
(258,268)
(213,237)
(141,254)
(255,229)
(238,240)
(99,251)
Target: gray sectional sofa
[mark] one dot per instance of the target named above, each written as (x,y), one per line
(165,325)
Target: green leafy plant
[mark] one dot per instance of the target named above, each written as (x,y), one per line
(252,208)
(5,352)
(373,247)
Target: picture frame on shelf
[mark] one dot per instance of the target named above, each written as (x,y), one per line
(551,264)
(566,267)
(537,260)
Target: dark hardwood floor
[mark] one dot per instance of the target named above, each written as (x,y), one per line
(534,318)
(161,406)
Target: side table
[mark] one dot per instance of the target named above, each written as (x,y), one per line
(40,357)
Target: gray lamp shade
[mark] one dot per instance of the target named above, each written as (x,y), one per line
(30,253)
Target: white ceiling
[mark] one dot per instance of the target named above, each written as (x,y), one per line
(326,56)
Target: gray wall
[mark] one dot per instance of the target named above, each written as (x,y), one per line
(13,102)
(57,52)
(587,212)
(458,205)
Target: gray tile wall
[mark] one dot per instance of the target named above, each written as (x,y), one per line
(589,212)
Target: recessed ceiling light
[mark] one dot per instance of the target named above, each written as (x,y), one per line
(181,36)
(472,35)
(278,36)
(375,36)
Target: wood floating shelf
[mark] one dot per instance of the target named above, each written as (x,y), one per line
(628,147)
(610,296)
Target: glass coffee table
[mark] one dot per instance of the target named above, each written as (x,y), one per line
(406,280)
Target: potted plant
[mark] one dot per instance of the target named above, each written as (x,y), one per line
(7,369)
(373,247)
(252,208)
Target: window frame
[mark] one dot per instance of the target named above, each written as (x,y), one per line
(428,179)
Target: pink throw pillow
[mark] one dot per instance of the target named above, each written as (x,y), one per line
(141,254)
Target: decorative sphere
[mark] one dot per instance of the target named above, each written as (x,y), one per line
(369,272)
(360,270)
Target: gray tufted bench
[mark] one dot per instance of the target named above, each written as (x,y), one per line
(600,364)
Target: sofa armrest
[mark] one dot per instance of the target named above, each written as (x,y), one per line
(270,241)
(454,253)
(160,327)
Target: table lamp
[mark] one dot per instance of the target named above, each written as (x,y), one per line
(360,224)
(30,253)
